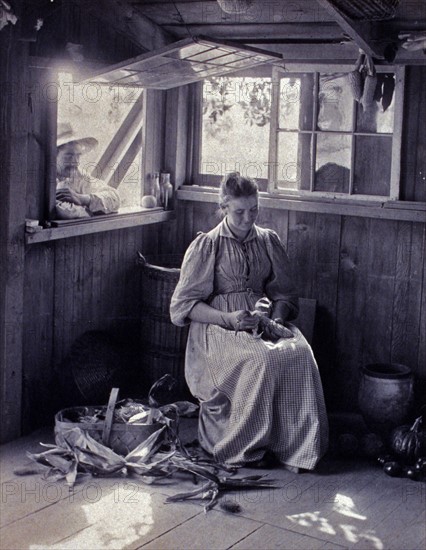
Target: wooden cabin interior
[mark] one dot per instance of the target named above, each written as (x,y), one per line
(356,239)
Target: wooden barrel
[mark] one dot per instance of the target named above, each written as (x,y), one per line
(163,343)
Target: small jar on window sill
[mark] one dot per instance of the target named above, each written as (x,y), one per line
(166,191)
(152,195)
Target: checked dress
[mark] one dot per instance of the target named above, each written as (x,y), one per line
(255,395)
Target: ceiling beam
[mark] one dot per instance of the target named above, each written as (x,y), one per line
(359,32)
(285,31)
(128,21)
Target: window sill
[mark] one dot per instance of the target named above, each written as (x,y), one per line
(388,210)
(75,228)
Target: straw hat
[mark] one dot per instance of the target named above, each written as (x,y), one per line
(66,136)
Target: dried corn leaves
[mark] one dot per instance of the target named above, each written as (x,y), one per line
(160,455)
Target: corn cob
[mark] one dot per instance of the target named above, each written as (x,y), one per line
(355,79)
(370,84)
(388,89)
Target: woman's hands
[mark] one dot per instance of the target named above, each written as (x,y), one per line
(243,320)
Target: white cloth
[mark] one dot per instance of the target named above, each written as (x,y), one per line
(103,199)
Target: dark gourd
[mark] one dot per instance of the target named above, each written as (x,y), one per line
(392,469)
(408,442)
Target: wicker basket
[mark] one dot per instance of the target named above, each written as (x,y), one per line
(121,438)
(367,10)
(163,343)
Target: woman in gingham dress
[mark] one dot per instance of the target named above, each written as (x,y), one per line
(259,397)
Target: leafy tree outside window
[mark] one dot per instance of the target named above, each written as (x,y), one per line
(236,114)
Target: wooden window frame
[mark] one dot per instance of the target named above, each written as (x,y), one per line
(269,185)
(152,136)
(396,135)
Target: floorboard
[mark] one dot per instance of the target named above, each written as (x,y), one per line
(343,504)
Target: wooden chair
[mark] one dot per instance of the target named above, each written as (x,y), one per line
(306,319)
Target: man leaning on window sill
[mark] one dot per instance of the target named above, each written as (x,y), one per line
(79,195)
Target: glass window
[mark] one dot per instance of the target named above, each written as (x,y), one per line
(236,114)
(303,132)
(323,141)
(113,116)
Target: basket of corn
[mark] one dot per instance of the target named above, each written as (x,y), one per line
(121,426)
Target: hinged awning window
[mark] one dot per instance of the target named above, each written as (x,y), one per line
(183,62)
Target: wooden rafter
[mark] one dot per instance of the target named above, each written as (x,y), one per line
(360,32)
(125,20)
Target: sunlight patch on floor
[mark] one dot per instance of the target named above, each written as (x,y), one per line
(112,521)
(345,506)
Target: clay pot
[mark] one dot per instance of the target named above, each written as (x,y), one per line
(385,396)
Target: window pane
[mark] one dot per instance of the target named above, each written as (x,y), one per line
(106,113)
(294,161)
(235,131)
(377,116)
(333,161)
(296,102)
(372,165)
(335,103)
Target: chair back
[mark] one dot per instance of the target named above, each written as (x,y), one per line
(305,321)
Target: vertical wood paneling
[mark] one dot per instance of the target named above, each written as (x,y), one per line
(13,147)
(38,336)
(205,217)
(279,223)
(377,326)
(167,237)
(350,311)
(58,305)
(324,290)
(408,292)
(301,250)
(422,329)
(188,231)
(413,163)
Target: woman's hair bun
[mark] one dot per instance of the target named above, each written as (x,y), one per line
(234,185)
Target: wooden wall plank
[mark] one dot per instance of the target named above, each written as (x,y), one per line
(205,217)
(413,163)
(407,295)
(301,250)
(324,290)
(13,146)
(350,312)
(279,223)
(380,281)
(420,387)
(38,337)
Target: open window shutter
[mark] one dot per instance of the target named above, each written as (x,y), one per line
(183,62)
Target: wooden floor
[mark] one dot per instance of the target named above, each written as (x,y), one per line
(344,504)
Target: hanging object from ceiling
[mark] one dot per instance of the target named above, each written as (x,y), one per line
(6,15)
(367,10)
(235,6)
(413,40)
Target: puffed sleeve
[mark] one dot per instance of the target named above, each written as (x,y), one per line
(280,288)
(196,279)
